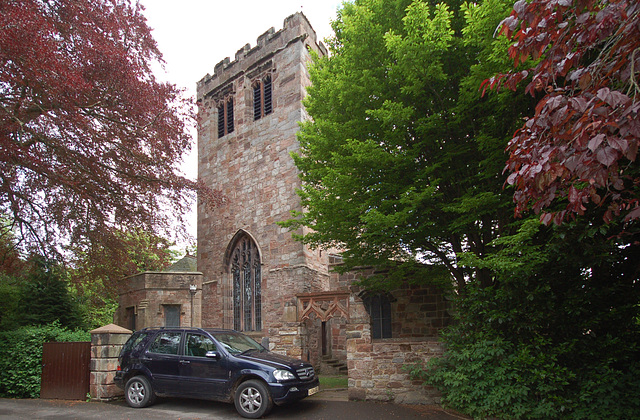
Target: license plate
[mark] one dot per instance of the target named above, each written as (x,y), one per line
(313,390)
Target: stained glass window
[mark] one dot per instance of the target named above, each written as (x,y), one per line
(247,287)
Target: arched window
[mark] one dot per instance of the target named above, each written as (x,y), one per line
(246,282)
(225,117)
(262,103)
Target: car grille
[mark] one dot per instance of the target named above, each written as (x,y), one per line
(306,373)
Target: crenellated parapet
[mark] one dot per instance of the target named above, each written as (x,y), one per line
(296,28)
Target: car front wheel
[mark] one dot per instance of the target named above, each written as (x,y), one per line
(252,399)
(138,392)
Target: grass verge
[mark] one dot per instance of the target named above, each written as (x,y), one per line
(331,382)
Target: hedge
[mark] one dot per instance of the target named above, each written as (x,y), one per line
(21,357)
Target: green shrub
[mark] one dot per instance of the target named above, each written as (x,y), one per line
(21,357)
(495,378)
(555,336)
(509,360)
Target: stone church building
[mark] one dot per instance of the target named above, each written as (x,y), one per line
(251,274)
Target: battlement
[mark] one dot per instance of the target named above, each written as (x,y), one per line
(295,27)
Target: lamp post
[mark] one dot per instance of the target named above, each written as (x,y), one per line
(192,289)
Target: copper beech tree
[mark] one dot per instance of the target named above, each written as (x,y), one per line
(90,141)
(581,146)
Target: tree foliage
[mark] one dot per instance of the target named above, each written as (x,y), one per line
(582,144)
(557,335)
(94,278)
(402,159)
(90,141)
(45,291)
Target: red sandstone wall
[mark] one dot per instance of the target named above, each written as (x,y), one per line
(253,169)
(376,370)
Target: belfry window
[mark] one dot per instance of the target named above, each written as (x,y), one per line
(246,281)
(262,103)
(225,117)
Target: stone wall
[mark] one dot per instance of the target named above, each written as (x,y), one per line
(376,369)
(253,169)
(419,311)
(106,343)
(376,365)
(147,293)
(286,334)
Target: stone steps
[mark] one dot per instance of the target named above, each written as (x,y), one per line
(336,366)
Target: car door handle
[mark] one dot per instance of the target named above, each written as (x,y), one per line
(184,362)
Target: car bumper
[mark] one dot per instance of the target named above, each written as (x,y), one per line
(119,379)
(283,393)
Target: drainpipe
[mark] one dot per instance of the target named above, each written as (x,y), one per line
(192,290)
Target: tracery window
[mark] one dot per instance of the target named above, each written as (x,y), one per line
(247,286)
(225,117)
(262,103)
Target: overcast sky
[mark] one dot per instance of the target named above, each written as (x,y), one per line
(194,35)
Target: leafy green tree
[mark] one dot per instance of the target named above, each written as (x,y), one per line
(402,161)
(556,336)
(12,269)
(46,294)
(402,158)
(9,304)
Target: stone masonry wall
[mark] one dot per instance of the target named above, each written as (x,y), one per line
(376,366)
(280,309)
(376,370)
(253,169)
(106,343)
(418,311)
(147,292)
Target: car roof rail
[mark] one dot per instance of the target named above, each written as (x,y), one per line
(174,328)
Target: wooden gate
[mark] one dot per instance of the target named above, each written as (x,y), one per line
(65,370)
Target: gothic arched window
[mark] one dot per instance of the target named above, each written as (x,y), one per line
(262,98)
(246,282)
(225,117)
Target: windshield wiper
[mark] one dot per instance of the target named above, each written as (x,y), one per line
(246,351)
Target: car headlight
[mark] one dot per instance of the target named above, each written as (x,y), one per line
(283,375)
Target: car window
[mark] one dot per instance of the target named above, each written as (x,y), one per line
(236,343)
(166,343)
(198,345)
(133,341)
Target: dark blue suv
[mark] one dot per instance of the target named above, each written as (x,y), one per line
(212,364)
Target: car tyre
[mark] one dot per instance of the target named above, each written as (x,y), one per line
(138,392)
(253,399)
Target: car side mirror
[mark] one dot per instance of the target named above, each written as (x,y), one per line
(212,355)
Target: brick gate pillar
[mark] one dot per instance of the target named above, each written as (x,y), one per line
(106,343)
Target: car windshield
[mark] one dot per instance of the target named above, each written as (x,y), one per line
(236,343)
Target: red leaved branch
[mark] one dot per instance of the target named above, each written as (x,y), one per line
(582,143)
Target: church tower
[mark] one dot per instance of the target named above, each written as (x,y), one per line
(250,110)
